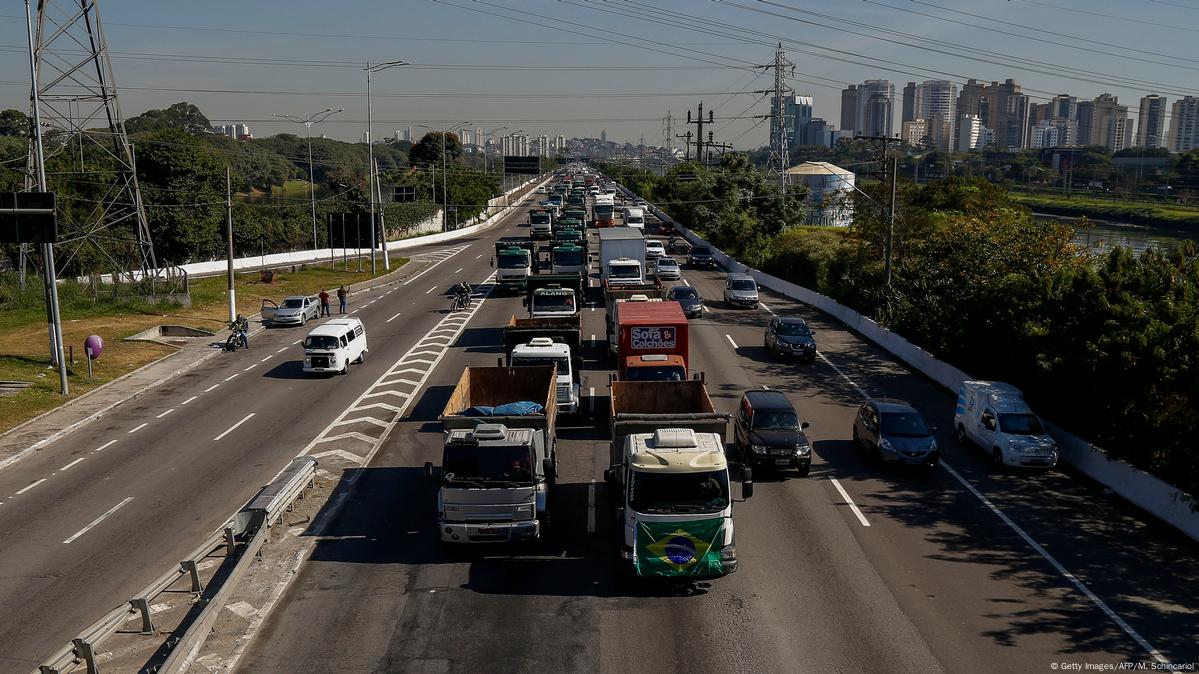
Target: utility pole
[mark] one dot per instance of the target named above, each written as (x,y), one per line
(229,243)
(699,130)
(382,223)
(687,147)
(889,239)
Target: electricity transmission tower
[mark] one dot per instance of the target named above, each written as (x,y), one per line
(779,152)
(76,95)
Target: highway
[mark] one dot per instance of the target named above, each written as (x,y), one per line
(854,568)
(90,519)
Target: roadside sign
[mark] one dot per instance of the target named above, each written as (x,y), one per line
(28,217)
(404,193)
(525,165)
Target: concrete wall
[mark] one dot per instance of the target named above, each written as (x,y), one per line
(1157,497)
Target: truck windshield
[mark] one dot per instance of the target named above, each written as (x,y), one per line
(656,373)
(476,464)
(324,342)
(560,303)
(512,260)
(562,362)
(603,211)
(1020,424)
(540,218)
(706,492)
(904,425)
(634,220)
(571,258)
(624,271)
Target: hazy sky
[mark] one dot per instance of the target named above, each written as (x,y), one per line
(581,66)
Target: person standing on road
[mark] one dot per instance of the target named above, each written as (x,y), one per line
(342,294)
(324,296)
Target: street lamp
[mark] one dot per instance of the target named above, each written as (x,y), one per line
(315,118)
(487,148)
(370,163)
(445,203)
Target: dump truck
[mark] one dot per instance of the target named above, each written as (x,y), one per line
(555,294)
(515,260)
(549,341)
(541,224)
(668,481)
(498,465)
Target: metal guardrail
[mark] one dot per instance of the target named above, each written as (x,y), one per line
(254,518)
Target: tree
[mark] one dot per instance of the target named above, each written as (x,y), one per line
(428,149)
(13,123)
(182,116)
(183,185)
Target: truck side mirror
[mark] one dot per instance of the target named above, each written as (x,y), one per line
(428,470)
(551,470)
(747,482)
(493,262)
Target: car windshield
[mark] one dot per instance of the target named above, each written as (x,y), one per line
(700,250)
(512,260)
(793,330)
(776,419)
(573,257)
(904,425)
(554,302)
(658,373)
(742,284)
(666,262)
(1020,424)
(706,492)
(623,271)
(323,342)
(482,464)
(293,303)
(533,361)
(683,293)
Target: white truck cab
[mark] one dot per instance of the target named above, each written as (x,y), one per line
(624,271)
(550,302)
(331,347)
(545,351)
(994,416)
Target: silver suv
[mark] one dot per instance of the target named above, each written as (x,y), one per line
(741,290)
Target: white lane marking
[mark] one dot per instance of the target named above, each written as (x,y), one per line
(234,426)
(593,337)
(164,413)
(729,337)
(458,270)
(848,501)
(393,318)
(232,376)
(265,359)
(106,445)
(72,463)
(250,367)
(591,507)
(210,388)
(1078,584)
(281,350)
(478,256)
(430,290)
(431,267)
(138,428)
(98,520)
(296,342)
(31,486)
(844,376)
(591,399)
(686,282)
(593,308)
(194,397)
(768,309)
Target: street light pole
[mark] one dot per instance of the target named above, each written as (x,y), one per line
(445,204)
(308,122)
(370,162)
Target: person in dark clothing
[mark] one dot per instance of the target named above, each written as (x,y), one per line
(342,295)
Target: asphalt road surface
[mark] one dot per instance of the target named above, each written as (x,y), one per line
(854,568)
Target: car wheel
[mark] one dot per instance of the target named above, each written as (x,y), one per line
(857,440)
(997,457)
(345,368)
(303,319)
(961,433)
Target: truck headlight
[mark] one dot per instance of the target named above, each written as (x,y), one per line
(758,449)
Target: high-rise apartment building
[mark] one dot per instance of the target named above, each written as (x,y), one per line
(1110,126)
(868,108)
(1044,134)
(914,131)
(1064,105)
(1184,125)
(970,100)
(936,102)
(797,114)
(1151,121)
(970,128)
(909,103)
(849,108)
(1085,114)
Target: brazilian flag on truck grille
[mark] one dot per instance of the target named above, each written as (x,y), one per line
(678,549)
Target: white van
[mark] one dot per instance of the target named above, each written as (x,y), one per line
(994,416)
(331,347)
(634,217)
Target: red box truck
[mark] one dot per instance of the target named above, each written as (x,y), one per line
(650,328)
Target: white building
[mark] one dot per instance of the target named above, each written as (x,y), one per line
(829,190)
(970,128)
(1045,134)
(914,131)
(1184,125)
(936,101)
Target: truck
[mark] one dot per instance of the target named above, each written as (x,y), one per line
(635,218)
(568,257)
(516,259)
(605,210)
(668,481)
(541,224)
(499,464)
(555,294)
(621,256)
(549,341)
(579,214)
(645,328)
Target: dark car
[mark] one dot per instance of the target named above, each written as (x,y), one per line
(768,433)
(689,299)
(790,337)
(896,433)
(701,256)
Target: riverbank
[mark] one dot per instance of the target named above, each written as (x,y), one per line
(1162,216)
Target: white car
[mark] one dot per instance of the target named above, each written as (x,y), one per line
(667,269)
(296,310)
(654,250)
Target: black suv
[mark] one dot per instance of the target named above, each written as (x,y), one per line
(768,433)
(701,256)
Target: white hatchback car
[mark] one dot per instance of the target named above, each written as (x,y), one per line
(667,269)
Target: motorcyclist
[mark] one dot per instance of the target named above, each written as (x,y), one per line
(240,329)
(462,294)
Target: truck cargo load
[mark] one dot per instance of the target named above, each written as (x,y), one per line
(647,328)
(496,386)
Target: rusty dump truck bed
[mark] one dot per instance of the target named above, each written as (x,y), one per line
(492,386)
(646,406)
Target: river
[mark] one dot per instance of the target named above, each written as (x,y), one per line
(1102,235)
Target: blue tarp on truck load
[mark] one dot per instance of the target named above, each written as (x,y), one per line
(516,409)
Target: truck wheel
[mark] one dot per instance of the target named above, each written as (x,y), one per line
(961,433)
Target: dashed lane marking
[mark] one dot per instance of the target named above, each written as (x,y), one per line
(159,416)
(232,376)
(68,466)
(31,486)
(138,427)
(848,501)
(194,397)
(234,427)
(730,338)
(393,318)
(98,520)
(104,446)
